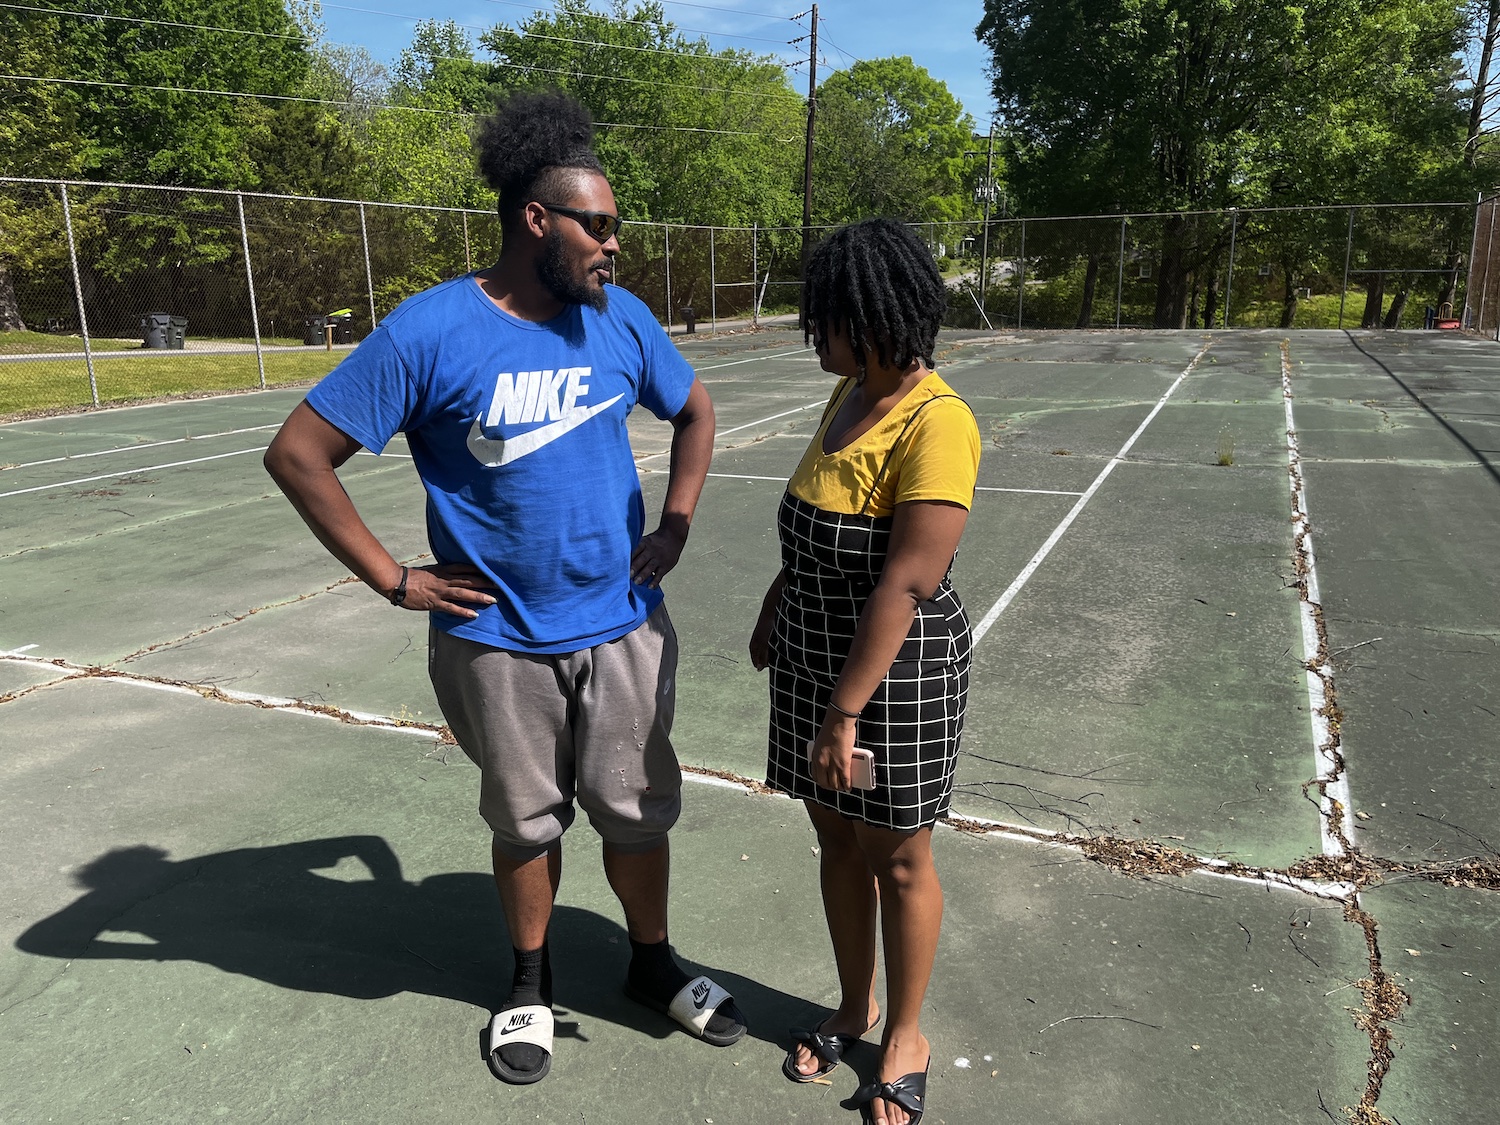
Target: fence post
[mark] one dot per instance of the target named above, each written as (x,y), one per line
(364,236)
(468,256)
(754,274)
(1348,248)
(1463,316)
(1234,227)
(1489,256)
(1021,274)
(83,320)
(260,359)
(713,284)
(666,232)
(1120,278)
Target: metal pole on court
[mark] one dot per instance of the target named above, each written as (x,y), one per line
(713,283)
(1120,278)
(260,359)
(1021,272)
(989,191)
(1348,248)
(1489,255)
(1473,256)
(83,320)
(1234,226)
(364,234)
(666,232)
(468,255)
(754,274)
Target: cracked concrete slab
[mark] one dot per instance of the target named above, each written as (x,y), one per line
(267,915)
(1443,946)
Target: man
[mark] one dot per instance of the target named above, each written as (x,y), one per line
(550,650)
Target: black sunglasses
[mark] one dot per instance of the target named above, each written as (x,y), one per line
(600,224)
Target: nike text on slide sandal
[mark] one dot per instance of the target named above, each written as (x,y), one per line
(694,1006)
(530,1023)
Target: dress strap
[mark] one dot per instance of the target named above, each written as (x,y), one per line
(891,452)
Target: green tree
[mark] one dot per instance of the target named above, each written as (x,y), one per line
(890,140)
(688,134)
(39,138)
(141,128)
(1178,105)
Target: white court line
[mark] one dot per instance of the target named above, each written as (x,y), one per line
(19,651)
(736,429)
(772,418)
(130,472)
(139,445)
(1031,491)
(752,359)
(1327,768)
(1088,494)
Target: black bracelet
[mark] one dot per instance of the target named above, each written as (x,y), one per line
(398,595)
(847,714)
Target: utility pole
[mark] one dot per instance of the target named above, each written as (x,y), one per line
(989,194)
(812,114)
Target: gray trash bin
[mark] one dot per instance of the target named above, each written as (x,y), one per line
(689,319)
(343,327)
(163,330)
(312,330)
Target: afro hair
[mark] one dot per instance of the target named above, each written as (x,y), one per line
(531,144)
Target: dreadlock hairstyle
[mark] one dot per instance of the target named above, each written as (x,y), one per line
(532,146)
(879,278)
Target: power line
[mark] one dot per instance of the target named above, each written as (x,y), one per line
(367,11)
(628,47)
(648,23)
(359,105)
(584,42)
(638,81)
(159,23)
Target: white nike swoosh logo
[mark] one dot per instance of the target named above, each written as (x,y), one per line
(494,452)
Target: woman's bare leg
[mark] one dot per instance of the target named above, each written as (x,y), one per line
(911,915)
(849,903)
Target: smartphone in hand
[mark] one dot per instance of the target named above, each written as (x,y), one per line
(861,767)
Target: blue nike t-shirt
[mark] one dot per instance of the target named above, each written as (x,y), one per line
(518,431)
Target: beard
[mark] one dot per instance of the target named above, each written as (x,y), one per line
(558,279)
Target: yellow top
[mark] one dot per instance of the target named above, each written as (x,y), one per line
(936,455)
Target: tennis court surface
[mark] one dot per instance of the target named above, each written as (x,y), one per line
(1226,817)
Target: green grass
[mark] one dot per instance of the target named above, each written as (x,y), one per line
(59,384)
(27,343)
(1321,310)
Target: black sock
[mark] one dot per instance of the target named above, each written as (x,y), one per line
(531,984)
(654,971)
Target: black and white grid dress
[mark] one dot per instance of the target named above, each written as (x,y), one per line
(912,723)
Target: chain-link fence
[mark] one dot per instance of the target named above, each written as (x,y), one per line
(112,292)
(1371,266)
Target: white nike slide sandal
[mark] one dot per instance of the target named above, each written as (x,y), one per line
(694,1006)
(529,1023)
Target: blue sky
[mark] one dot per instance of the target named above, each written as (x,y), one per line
(941,38)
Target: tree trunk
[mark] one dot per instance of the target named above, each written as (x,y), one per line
(1398,306)
(1192,315)
(1289,301)
(1090,280)
(1211,300)
(1481,84)
(10,309)
(1450,279)
(1374,299)
(1171,292)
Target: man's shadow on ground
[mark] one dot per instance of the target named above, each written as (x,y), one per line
(365,933)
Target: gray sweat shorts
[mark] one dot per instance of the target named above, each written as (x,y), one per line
(543,729)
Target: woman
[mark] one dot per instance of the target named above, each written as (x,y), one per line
(868,644)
